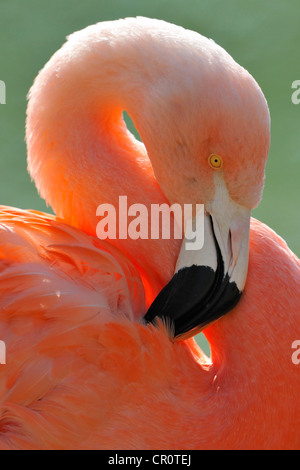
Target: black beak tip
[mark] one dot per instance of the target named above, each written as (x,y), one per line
(195,297)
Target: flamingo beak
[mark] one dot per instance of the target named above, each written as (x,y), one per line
(208,282)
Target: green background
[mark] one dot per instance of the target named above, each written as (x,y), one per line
(263,36)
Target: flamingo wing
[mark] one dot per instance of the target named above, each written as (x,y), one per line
(58,290)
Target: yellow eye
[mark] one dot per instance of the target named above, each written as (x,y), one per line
(215,161)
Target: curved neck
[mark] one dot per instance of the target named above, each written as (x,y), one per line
(81,154)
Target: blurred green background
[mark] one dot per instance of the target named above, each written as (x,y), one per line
(263,36)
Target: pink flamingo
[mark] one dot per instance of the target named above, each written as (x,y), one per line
(84,369)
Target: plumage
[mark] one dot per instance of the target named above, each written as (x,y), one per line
(84,370)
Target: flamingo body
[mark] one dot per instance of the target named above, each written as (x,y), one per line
(82,374)
(84,370)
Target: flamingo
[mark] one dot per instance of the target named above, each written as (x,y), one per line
(99,334)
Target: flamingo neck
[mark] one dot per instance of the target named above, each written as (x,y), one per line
(81,154)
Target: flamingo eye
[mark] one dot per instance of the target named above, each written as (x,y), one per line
(215,161)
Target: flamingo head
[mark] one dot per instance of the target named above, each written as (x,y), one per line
(211,148)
